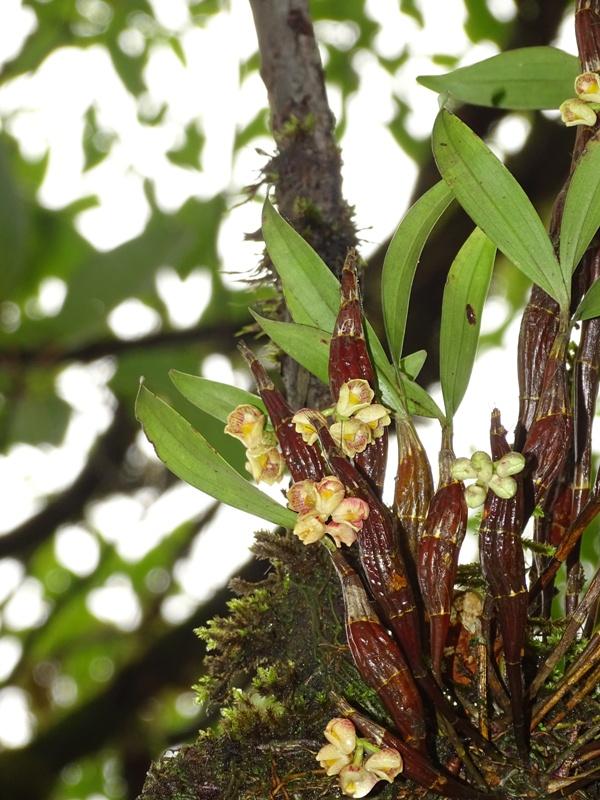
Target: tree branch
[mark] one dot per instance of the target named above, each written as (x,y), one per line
(49,356)
(308,183)
(101,468)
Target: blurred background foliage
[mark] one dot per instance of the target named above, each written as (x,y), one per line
(94,700)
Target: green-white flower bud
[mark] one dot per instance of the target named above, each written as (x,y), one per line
(462,469)
(482,464)
(503,487)
(475,495)
(510,464)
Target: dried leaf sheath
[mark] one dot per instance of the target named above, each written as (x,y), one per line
(503,566)
(585,384)
(414,483)
(387,578)
(349,359)
(539,327)
(381,560)
(416,767)
(378,659)
(549,439)
(304,462)
(438,551)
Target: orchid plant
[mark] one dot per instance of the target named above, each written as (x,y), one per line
(398,565)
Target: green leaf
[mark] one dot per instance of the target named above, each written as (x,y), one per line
(402,258)
(307,345)
(311,290)
(412,364)
(189,456)
(496,203)
(590,305)
(464,295)
(527,78)
(212,397)
(581,215)
(312,294)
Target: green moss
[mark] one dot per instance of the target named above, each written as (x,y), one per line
(294,127)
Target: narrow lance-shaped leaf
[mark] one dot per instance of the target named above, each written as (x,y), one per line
(312,294)
(464,295)
(311,290)
(590,305)
(402,258)
(496,203)
(189,456)
(212,397)
(307,345)
(527,78)
(581,215)
(412,364)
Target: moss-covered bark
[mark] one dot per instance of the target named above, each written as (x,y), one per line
(271,667)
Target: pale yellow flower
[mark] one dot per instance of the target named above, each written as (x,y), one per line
(353,511)
(309,528)
(246,423)
(354,395)
(386,764)
(342,734)
(265,464)
(576,112)
(304,426)
(302,497)
(351,435)
(356,781)
(330,493)
(341,533)
(332,760)
(376,417)
(587,87)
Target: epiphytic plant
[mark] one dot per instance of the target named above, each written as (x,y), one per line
(472,711)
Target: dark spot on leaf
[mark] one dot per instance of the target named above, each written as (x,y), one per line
(470,313)
(498,97)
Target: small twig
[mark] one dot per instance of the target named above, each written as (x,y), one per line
(572,537)
(569,634)
(482,682)
(577,744)
(588,686)
(584,663)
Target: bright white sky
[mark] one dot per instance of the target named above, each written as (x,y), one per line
(46,112)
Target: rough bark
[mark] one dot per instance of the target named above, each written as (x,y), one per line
(306,168)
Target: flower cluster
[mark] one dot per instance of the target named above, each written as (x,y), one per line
(581,110)
(323,508)
(358,421)
(265,462)
(343,756)
(495,476)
